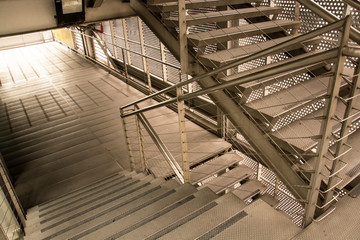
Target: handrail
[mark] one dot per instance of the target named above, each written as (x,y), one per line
(265,52)
(329,17)
(248,78)
(161,146)
(11,190)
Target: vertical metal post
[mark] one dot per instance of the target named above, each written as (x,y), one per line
(126,41)
(163,59)
(259,171)
(182,37)
(128,144)
(326,128)
(276,190)
(220,123)
(183,138)
(142,45)
(148,75)
(141,143)
(125,65)
(116,55)
(297,11)
(105,49)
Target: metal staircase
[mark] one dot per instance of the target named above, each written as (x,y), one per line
(138,206)
(287,109)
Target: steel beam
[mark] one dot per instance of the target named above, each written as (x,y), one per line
(20,16)
(270,155)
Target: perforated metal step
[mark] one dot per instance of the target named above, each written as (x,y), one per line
(223,57)
(202,198)
(249,190)
(127,204)
(228,179)
(221,16)
(201,224)
(242,31)
(214,166)
(191,4)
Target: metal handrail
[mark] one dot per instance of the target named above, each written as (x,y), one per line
(161,146)
(265,52)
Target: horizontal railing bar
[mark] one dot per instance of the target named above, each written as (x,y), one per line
(261,74)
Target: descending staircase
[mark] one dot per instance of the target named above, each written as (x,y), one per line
(135,206)
(287,109)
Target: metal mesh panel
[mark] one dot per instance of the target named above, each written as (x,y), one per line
(152,49)
(99,53)
(119,38)
(134,41)
(79,46)
(107,37)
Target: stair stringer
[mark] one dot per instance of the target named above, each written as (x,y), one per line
(270,155)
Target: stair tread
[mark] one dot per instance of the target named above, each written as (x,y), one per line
(202,198)
(223,57)
(299,133)
(262,220)
(79,192)
(76,205)
(249,189)
(127,203)
(219,16)
(229,178)
(191,4)
(290,99)
(266,67)
(110,228)
(246,30)
(350,171)
(214,166)
(209,219)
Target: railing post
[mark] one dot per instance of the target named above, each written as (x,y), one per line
(148,75)
(183,37)
(141,144)
(127,139)
(125,65)
(183,138)
(113,40)
(326,128)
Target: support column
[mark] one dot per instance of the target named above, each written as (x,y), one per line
(184,60)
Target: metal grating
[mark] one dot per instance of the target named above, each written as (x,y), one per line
(152,49)
(134,41)
(79,46)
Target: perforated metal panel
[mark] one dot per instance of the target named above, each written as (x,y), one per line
(79,46)
(134,41)
(152,49)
